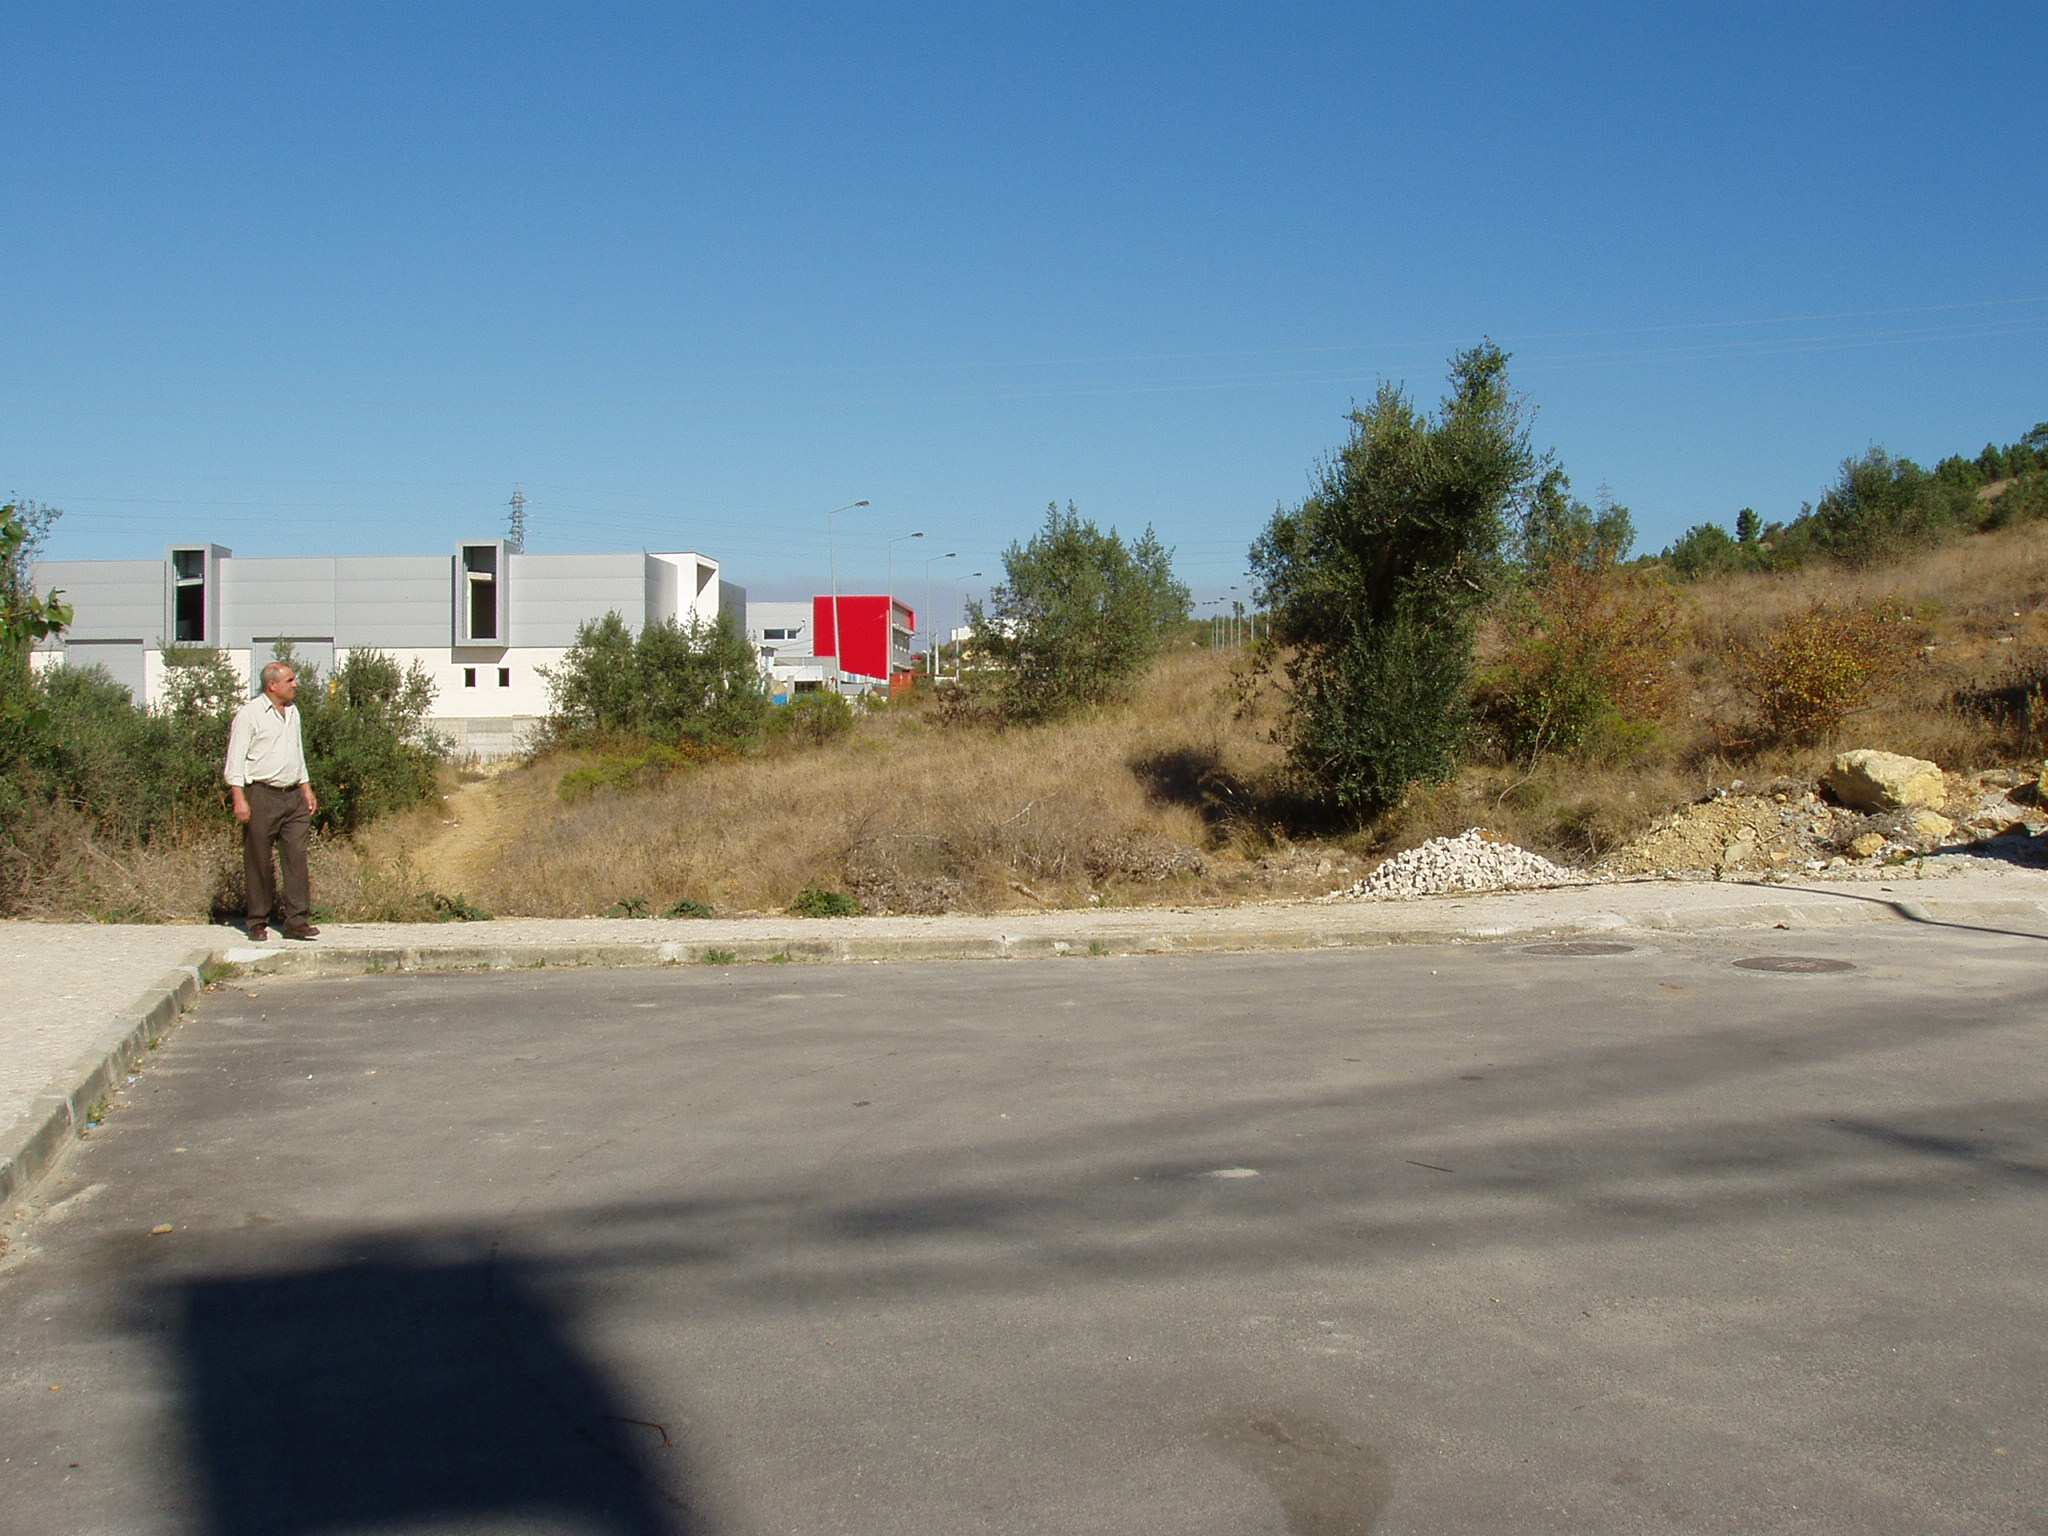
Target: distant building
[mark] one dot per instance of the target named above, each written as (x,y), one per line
(482,621)
(797,642)
(784,639)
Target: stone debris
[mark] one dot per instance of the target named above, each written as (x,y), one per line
(1790,832)
(1949,824)
(1474,860)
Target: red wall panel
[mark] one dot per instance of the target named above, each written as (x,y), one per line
(867,632)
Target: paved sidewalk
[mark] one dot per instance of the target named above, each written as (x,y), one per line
(78,1002)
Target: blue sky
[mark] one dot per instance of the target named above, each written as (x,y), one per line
(336,278)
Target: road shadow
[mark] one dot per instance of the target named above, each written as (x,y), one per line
(390,1384)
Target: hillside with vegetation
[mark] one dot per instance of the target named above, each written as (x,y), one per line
(1450,639)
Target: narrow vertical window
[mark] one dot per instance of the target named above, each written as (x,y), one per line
(504,677)
(469,677)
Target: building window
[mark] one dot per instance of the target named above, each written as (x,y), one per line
(188,571)
(469,677)
(775,634)
(480,592)
(504,677)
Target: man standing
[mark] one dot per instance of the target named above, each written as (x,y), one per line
(274,802)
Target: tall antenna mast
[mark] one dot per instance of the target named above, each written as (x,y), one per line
(515,530)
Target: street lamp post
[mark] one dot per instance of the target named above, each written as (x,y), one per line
(931,652)
(889,599)
(838,633)
(960,651)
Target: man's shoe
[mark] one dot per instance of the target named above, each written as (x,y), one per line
(259,933)
(302,931)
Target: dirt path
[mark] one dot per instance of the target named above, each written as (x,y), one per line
(476,822)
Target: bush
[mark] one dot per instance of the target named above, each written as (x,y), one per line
(816,901)
(1806,675)
(1590,664)
(2024,501)
(369,747)
(1078,615)
(135,773)
(674,684)
(455,909)
(811,719)
(1705,550)
(620,767)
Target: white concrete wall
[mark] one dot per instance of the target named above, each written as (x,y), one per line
(526,694)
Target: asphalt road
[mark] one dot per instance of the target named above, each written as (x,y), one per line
(1422,1240)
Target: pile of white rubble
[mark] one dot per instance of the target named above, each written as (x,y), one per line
(1471,861)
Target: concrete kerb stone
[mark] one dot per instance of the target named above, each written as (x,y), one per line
(34,1143)
(1097,938)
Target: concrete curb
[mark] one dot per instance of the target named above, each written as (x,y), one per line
(33,1144)
(1099,938)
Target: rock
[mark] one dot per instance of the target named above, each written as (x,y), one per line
(2041,785)
(1928,829)
(1884,781)
(1867,844)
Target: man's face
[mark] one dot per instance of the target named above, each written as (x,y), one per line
(285,688)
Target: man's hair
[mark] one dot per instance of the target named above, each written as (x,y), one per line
(273,670)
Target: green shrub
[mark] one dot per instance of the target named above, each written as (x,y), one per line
(811,719)
(629,906)
(369,746)
(721,957)
(816,901)
(689,908)
(1706,550)
(1076,617)
(696,684)
(2024,501)
(455,909)
(619,767)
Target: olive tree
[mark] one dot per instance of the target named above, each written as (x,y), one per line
(1374,581)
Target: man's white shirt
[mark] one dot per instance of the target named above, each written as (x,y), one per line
(264,745)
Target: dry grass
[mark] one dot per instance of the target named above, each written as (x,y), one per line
(912,815)
(71,872)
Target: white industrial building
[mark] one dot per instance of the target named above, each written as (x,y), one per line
(786,641)
(482,620)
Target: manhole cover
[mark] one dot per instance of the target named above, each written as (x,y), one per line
(1793,965)
(1579,947)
